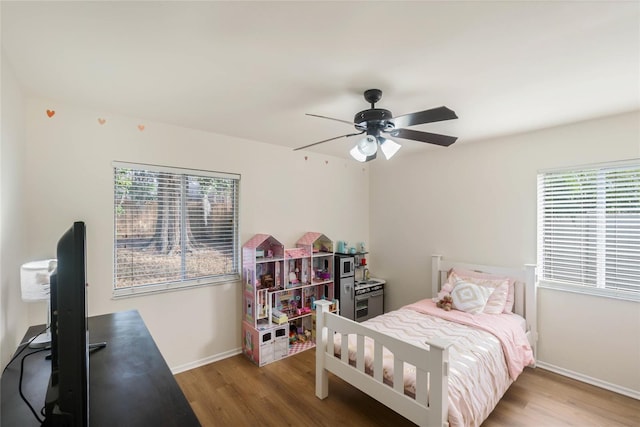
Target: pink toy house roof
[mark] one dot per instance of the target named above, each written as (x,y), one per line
(310,237)
(259,239)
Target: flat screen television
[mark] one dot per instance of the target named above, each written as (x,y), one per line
(67,398)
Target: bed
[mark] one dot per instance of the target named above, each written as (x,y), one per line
(438,383)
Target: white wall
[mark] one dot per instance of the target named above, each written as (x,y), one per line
(69,158)
(13,312)
(476,202)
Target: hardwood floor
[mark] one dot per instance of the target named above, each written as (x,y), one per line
(235,392)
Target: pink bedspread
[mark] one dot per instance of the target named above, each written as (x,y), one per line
(506,328)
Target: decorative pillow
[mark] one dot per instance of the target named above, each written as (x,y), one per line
(473,277)
(469,297)
(499,300)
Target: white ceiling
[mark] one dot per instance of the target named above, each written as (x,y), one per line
(253,69)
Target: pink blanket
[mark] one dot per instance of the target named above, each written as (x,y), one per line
(505,327)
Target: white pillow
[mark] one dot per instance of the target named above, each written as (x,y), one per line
(469,297)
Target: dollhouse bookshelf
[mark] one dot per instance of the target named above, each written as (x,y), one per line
(280,289)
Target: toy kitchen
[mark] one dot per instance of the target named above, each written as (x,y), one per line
(361,297)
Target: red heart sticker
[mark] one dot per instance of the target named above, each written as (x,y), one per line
(141,127)
(50,113)
(102,121)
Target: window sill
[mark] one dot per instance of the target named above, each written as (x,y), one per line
(587,290)
(138,291)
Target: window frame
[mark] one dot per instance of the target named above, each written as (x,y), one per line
(599,288)
(146,289)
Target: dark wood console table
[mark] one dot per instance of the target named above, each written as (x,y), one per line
(130,383)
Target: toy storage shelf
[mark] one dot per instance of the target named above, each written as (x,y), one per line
(280,289)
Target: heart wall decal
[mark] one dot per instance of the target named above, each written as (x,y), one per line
(102,121)
(140,128)
(50,113)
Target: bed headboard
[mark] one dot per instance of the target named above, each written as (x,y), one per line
(525,303)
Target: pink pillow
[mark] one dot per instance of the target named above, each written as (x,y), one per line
(470,275)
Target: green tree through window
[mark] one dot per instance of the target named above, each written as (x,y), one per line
(173,228)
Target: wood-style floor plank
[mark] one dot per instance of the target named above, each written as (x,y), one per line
(235,392)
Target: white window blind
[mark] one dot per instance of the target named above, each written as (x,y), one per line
(173,228)
(589,228)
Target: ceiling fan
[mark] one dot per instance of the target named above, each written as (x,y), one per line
(376,122)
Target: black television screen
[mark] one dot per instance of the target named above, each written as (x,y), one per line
(67,400)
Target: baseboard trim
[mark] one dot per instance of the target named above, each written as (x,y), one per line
(205,361)
(589,380)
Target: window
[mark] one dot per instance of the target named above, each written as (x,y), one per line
(174,228)
(589,229)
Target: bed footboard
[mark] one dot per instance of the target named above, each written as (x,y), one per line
(430,405)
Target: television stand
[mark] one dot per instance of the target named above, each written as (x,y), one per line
(130,383)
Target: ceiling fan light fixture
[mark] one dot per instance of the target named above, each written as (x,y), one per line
(388,147)
(356,154)
(365,149)
(368,145)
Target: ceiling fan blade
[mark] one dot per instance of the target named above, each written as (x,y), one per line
(431,138)
(428,116)
(331,118)
(327,140)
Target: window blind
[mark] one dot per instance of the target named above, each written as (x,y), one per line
(173,227)
(589,227)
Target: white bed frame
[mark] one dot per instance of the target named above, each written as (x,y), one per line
(430,406)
